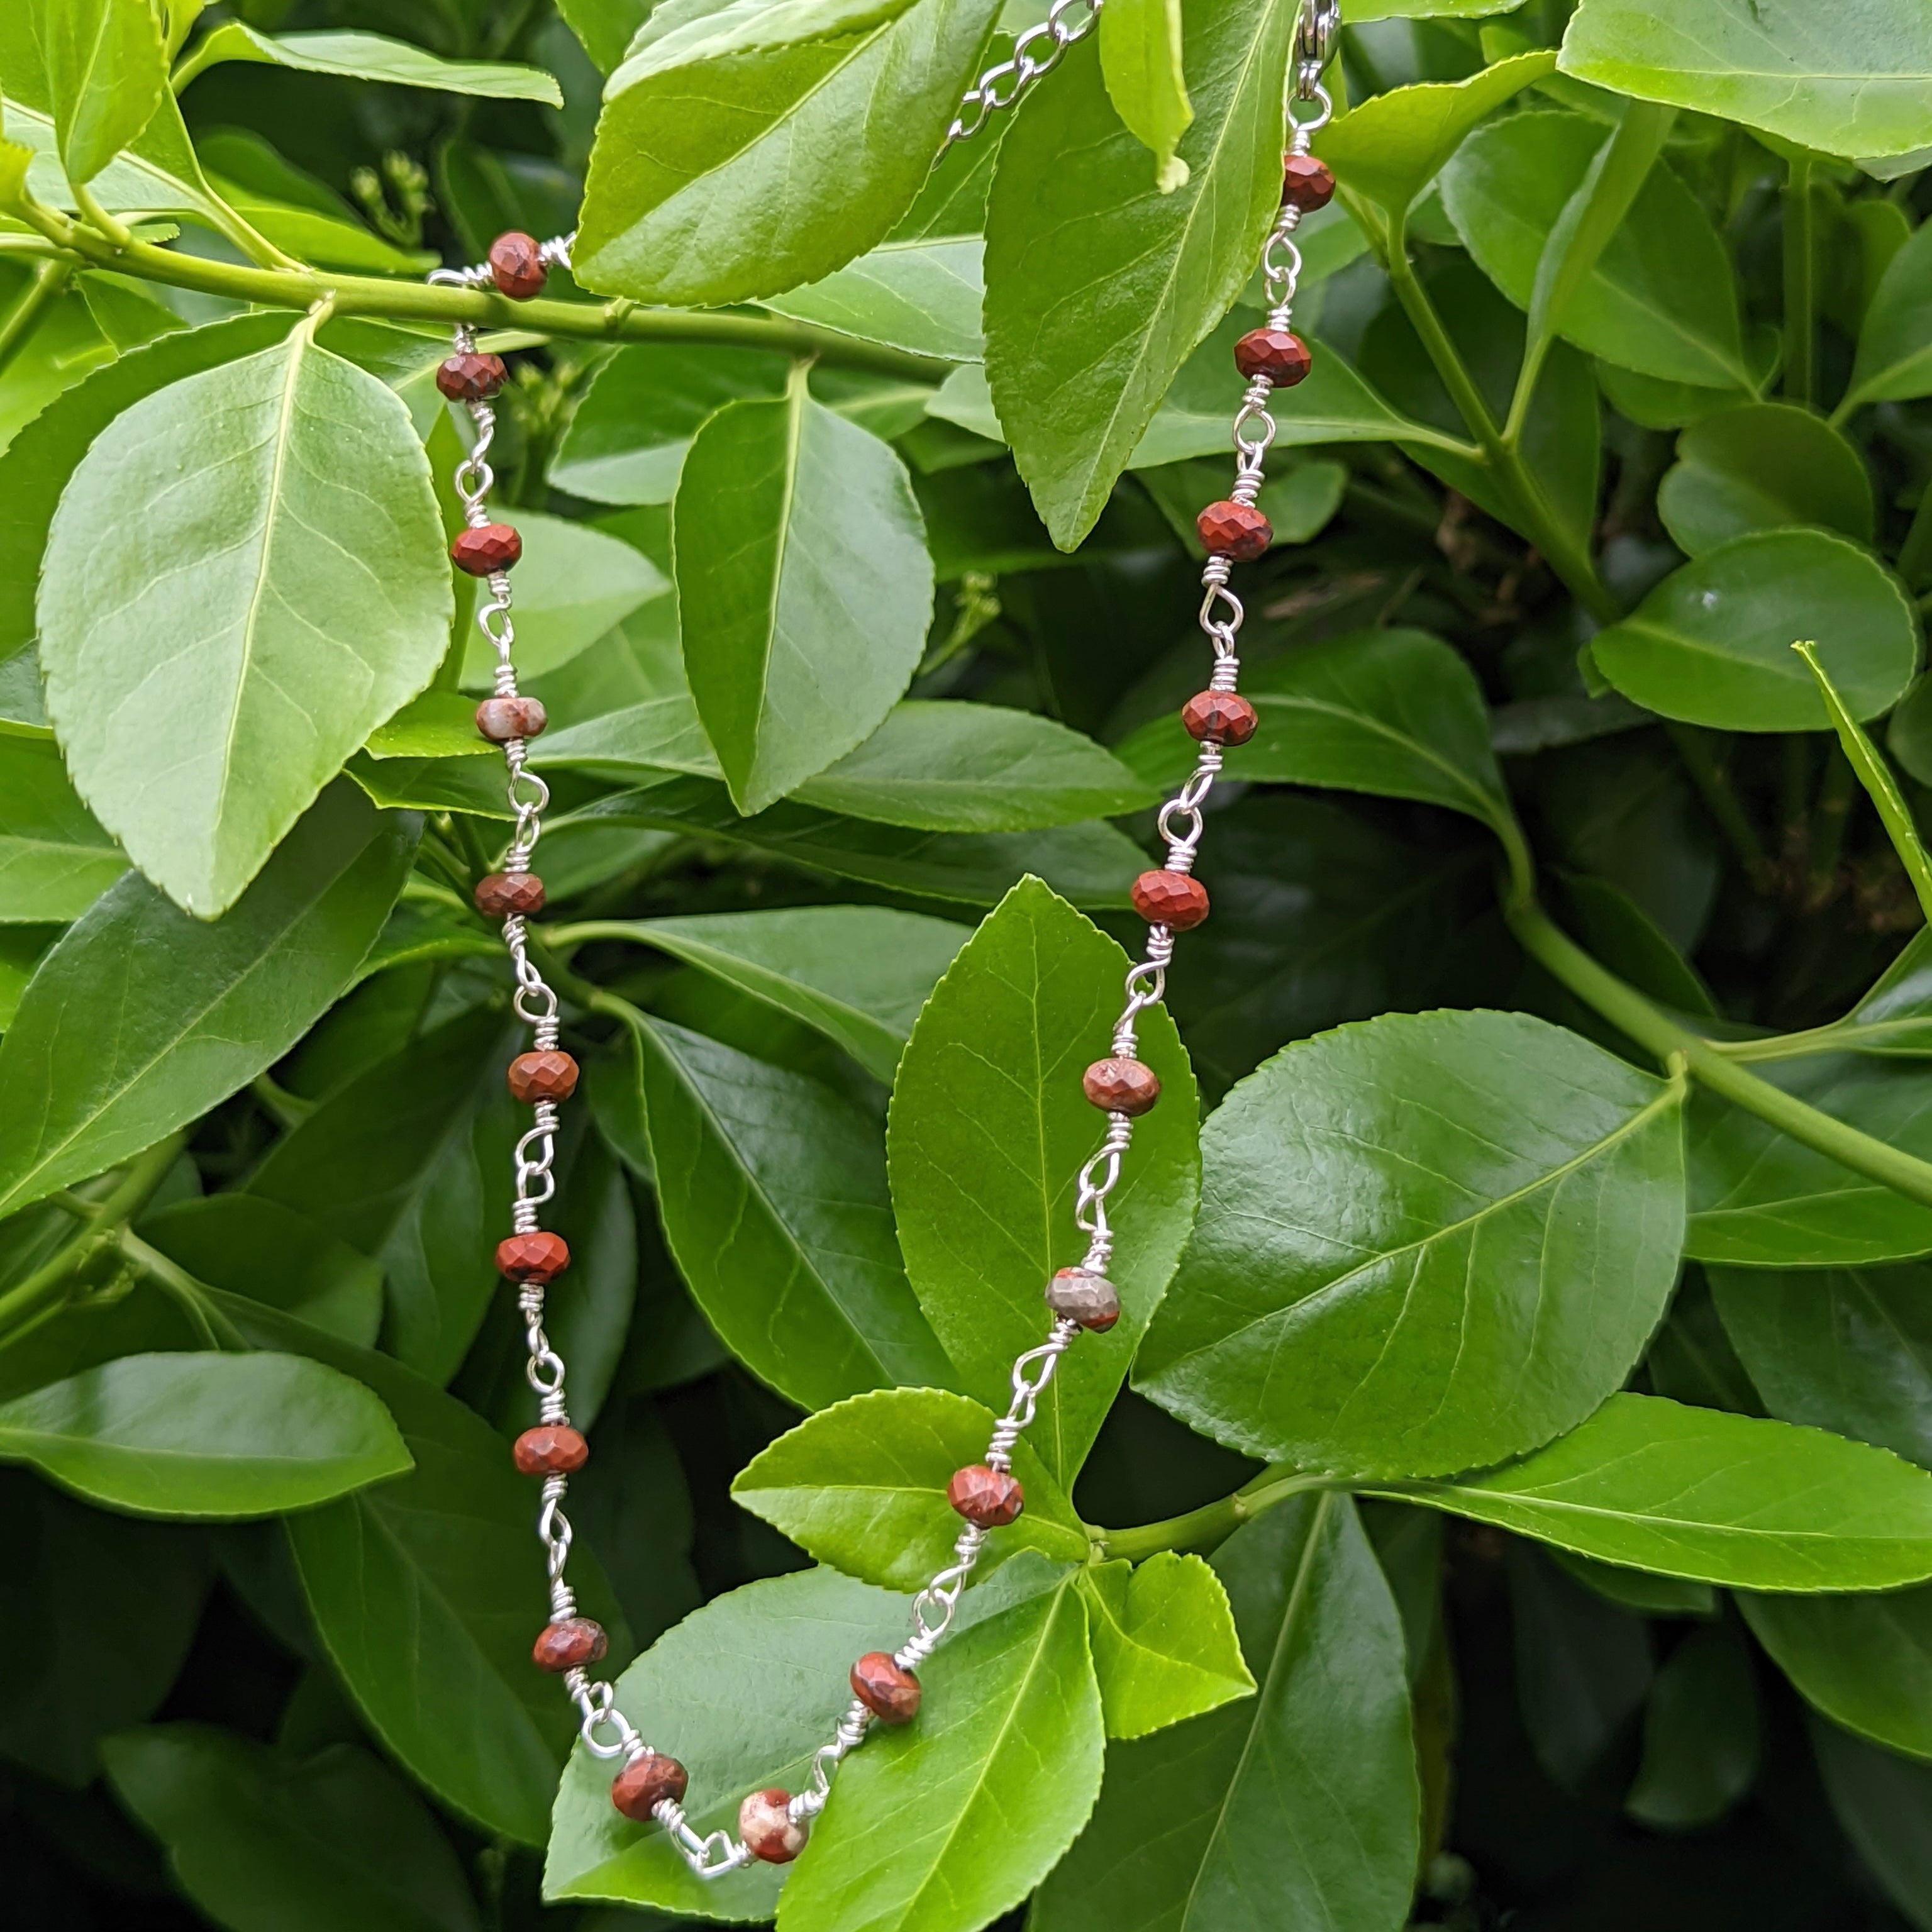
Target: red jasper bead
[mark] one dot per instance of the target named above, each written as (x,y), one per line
(468,377)
(516,266)
(538,1257)
(1170,898)
(1220,714)
(500,719)
(991,1497)
(1306,183)
(1278,354)
(545,1075)
(1231,530)
(502,895)
(1120,1086)
(887,1688)
(767,1829)
(551,1449)
(566,1645)
(645,1782)
(491,546)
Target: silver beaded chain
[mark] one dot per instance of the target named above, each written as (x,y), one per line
(774,1825)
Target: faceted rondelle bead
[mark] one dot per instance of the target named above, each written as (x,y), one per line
(550,1449)
(1278,354)
(645,1782)
(886,1687)
(1221,715)
(500,719)
(468,377)
(991,1497)
(487,548)
(1235,530)
(516,266)
(1306,183)
(546,1075)
(1080,1295)
(766,1827)
(1170,898)
(566,1645)
(539,1258)
(1120,1086)
(503,894)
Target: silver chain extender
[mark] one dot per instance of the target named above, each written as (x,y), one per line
(711,1855)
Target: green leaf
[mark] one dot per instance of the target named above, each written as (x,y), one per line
(1164,1642)
(1392,145)
(862,1485)
(1768,64)
(1473,1226)
(201,1009)
(1864,1661)
(1730,1499)
(205,686)
(423,1590)
(410,1163)
(605,27)
(356,56)
(801,563)
(106,71)
(742,151)
(251,1835)
(1141,61)
(1711,645)
(773,1191)
(1660,298)
(1883,1805)
(922,294)
(55,860)
(205,1436)
(741,1693)
(1762,466)
(1296,1806)
(1894,358)
(1700,1734)
(641,740)
(438,725)
(944,1825)
(1098,285)
(959,767)
(1638,1590)
(989,1132)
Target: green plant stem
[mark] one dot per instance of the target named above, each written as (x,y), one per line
(116,230)
(1714,787)
(1213,1523)
(1801,294)
(214,1327)
(1628,1010)
(46,285)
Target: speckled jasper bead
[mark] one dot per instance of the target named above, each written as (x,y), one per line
(886,1687)
(1082,1295)
(1121,1086)
(569,1645)
(502,719)
(645,1782)
(986,1496)
(766,1825)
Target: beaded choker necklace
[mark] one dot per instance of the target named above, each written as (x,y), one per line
(649,1787)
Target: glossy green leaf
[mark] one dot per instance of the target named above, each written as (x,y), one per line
(1472,1226)
(1864,1661)
(106,71)
(438,725)
(410,1163)
(249,1831)
(1883,1804)
(1700,1734)
(605,27)
(1763,467)
(1164,1642)
(1295,1807)
(1894,358)
(1099,286)
(1775,64)
(1638,1590)
(640,740)
(741,1693)
(55,860)
(862,1485)
(742,151)
(1141,60)
(202,1009)
(944,1825)
(958,767)
(205,1436)
(1729,1499)
(1393,144)
(210,660)
(1711,644)
(773,1191)
(1661,297)
(922,294)
(801,563)
(358,56)
(989,1132)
